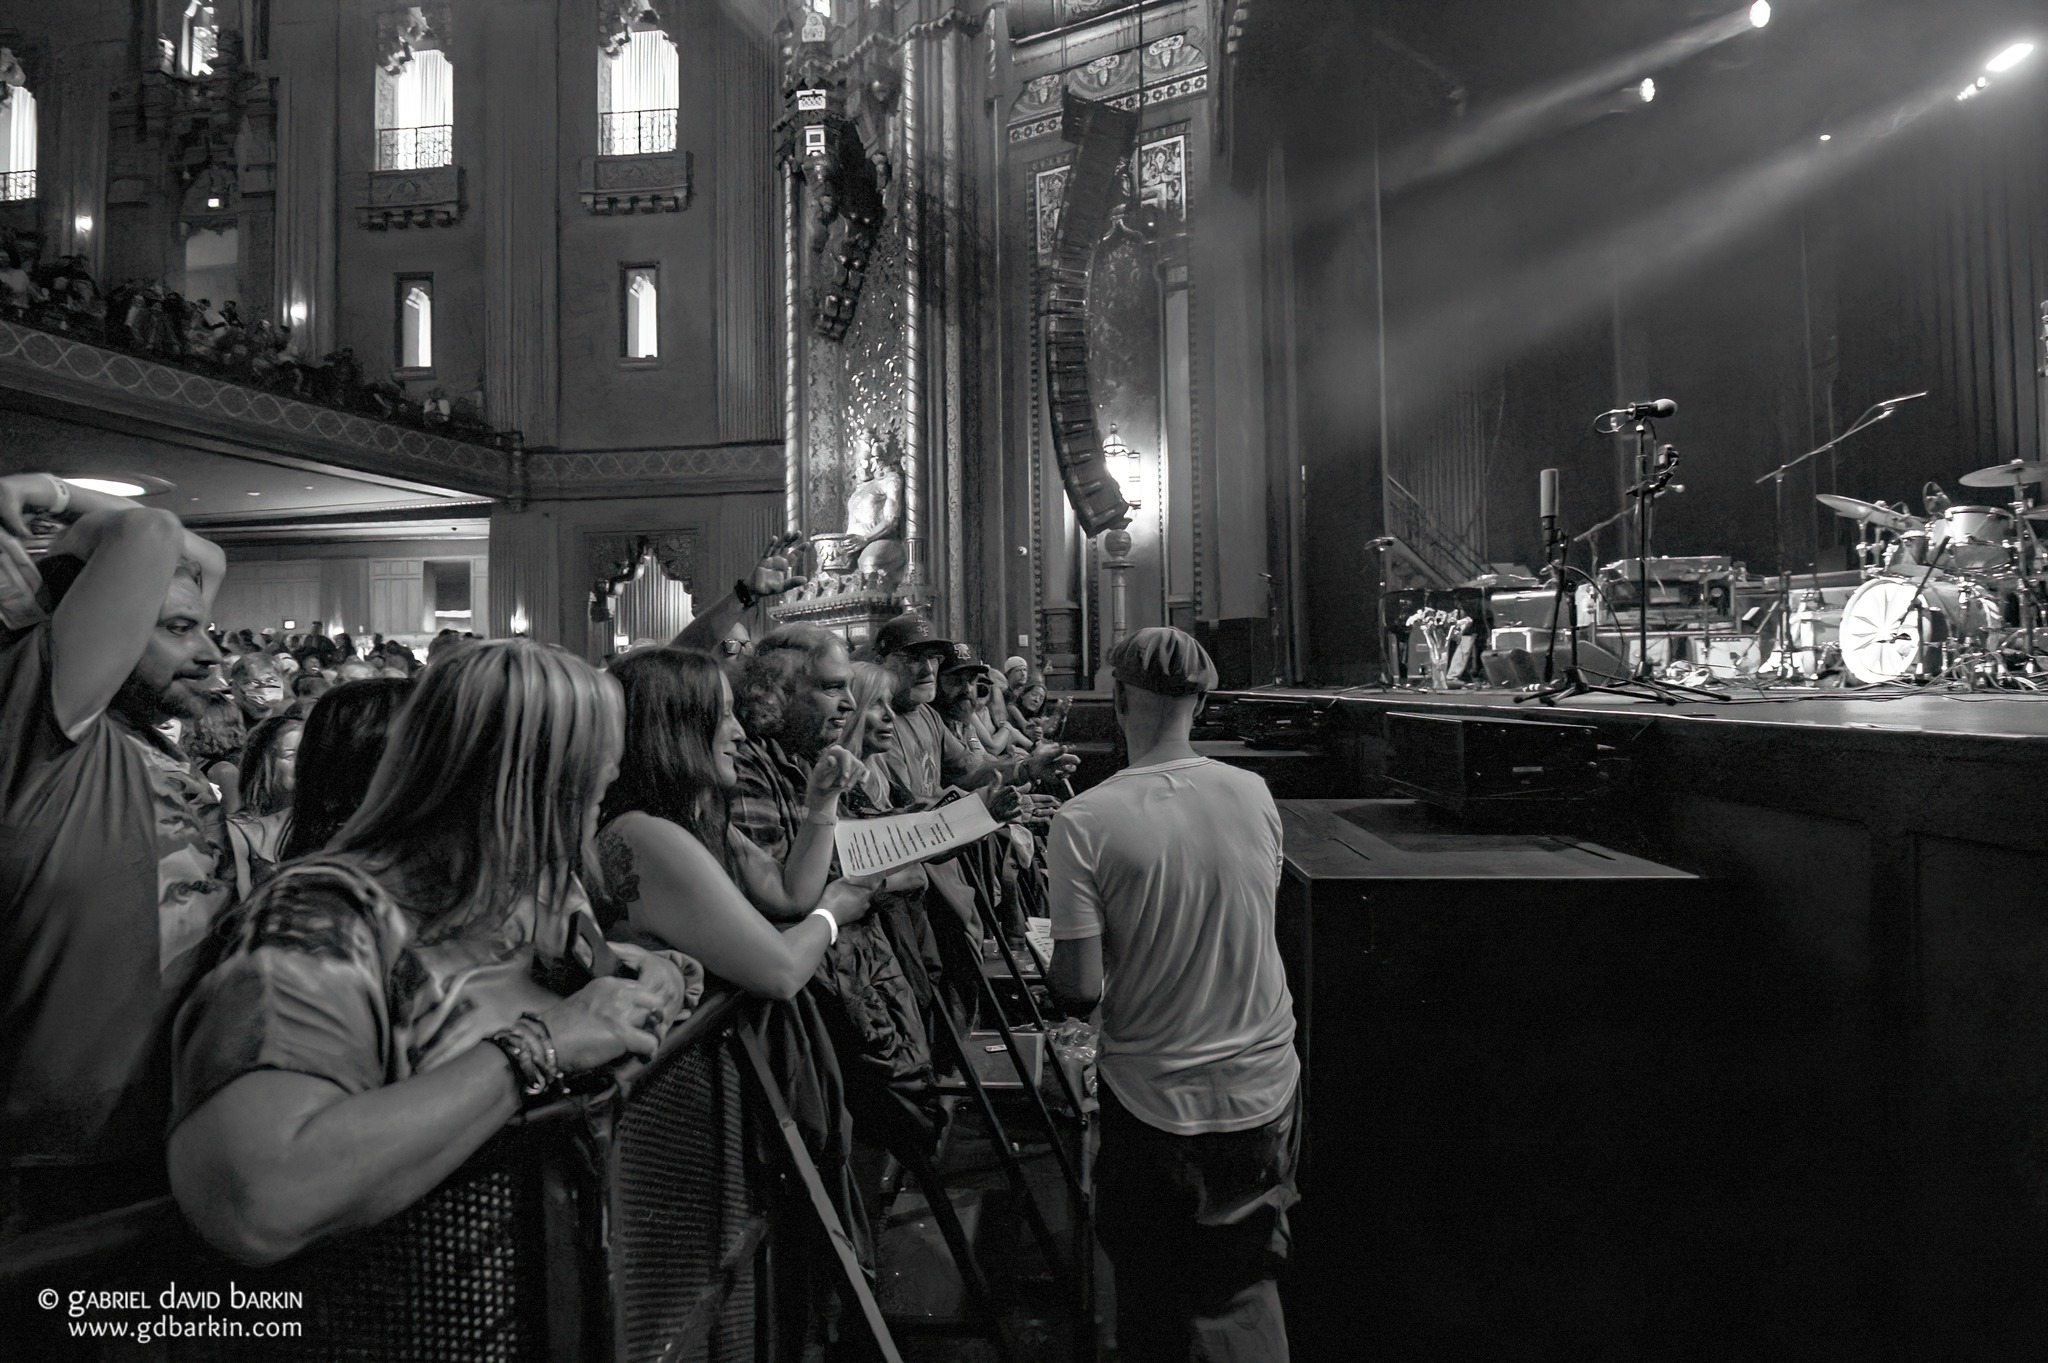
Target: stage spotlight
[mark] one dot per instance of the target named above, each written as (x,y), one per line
(1647,91)
(1827,137)
(2008,59)
(1760,13)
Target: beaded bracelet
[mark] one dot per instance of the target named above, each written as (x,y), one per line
(525,1065)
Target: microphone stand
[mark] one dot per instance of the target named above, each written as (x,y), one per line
(1787,669)
(1558,545)
(1653,475)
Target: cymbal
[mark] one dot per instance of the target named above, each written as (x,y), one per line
(2004,475)
(1870,513)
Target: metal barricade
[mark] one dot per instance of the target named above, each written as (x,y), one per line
(623,1225)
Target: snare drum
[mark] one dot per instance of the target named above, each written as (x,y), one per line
(1971,539)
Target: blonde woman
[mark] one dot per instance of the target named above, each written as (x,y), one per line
(371,1017)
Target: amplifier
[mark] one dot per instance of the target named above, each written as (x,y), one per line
(1455,762)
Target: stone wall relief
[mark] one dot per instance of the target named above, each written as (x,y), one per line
(1168,68)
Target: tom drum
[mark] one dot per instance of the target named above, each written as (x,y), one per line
(1970,539)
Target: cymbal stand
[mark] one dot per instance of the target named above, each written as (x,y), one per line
(1787,670)
(2029,549)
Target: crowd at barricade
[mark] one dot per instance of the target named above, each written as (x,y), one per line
(294,926)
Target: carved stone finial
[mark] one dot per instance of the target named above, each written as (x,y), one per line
(400,30)
(616,20)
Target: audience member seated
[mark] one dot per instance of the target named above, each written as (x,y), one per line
(256,832)
(114,857)
(1028,710)
(372,1016)
(338,754)
(678,870)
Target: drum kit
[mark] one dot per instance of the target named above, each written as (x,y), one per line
(1957,595)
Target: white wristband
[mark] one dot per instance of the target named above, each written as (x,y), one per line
(831,924)
(63,502)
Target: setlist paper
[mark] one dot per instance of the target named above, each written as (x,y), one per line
(873,847)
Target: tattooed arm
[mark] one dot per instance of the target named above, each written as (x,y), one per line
(673,889)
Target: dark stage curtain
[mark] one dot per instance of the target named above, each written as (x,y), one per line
(1943,271)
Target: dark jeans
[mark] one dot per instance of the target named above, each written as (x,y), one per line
(1197,1228)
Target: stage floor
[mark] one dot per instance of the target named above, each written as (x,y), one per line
(1962,713)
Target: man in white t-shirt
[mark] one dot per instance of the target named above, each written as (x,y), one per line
(1162,885)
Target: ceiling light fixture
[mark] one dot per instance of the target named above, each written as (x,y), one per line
(112,486)
(1647,91)
(1827,137)
(2009,58)
(1760,13)
(252,494)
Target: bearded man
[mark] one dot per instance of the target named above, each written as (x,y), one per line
(114,862)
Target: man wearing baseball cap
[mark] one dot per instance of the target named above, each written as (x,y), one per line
(1162,881)
(929,756)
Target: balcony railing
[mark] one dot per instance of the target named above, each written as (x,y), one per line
(638,132)
(17,184)
(416,148)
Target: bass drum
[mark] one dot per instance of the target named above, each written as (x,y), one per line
(1893,628)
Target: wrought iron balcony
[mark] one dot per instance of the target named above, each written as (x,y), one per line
(638,132)
(17,184)
(416,148)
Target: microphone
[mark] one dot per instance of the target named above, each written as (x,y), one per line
(1635,411)
(1546,506)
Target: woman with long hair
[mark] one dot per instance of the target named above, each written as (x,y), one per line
(338,754)
(677,870)
(372,1016)
(268,772)
(215,740)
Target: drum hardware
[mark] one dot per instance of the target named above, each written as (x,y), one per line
(1881,411)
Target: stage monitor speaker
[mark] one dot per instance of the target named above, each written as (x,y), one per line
(1514,667)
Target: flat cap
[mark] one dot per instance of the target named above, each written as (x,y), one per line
(1164,661)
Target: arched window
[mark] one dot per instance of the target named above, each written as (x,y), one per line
(18,144)
(643,312)
(416,113)
(638,90)
(416,322)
